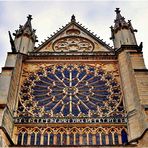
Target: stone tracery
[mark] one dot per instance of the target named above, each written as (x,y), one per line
(71,90)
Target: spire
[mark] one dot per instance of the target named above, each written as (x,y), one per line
(122,33)
(120,20)
(26,29)
(73,19)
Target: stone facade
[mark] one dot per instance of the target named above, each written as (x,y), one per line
(74,89)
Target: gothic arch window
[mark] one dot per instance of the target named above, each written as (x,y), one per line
(32,142)
(25,139)
(124,137)
(110,138)
(116,138)
(19,141)
(46,138)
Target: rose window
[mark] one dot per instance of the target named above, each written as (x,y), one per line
(71,90)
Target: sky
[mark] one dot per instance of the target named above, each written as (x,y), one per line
(49,16)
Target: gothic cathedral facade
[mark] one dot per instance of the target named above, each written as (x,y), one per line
(74,89)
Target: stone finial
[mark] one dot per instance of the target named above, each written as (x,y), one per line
(117,10)
(73,19)
(29,17)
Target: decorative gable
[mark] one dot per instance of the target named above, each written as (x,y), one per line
(73,38)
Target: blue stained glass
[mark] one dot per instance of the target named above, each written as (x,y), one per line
(45,139)
(97,139)
(58,139)
(71,139)
(66,73)
(59,74)
(81,74)
(41,83)
(103,139)
(51,76)
(25,139)
(88,77)
(35,93)
(38,139)
(66,110)
(75,110)
(84,88)
(110,138)
(19,140)
(81,67)
(40,73)
(124,137)
(74,82)
(58,108)
(64,142)
(38,88)
(43,102)
(116,138)
(66,100)
(74,73)
(77,138)
(90,139)
(66,82)
(59,67)
(51,139)
(52,105)
(84,139)
(91,69)
(83,109)
(45,79)
(32,139)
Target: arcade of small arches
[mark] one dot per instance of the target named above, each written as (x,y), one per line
(71,136)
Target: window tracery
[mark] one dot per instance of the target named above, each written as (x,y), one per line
(77,136)
(71,90)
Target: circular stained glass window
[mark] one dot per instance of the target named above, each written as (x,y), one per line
(71,90)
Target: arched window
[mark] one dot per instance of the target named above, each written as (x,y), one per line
(19,140)
(71,139)
(124,137)
(58,139)
(110,138)
(25,138)
(32,138)
(77,138)
(103,139)
(84,139)
(116,138)
(45,139)
(51,138)
(97,139)
(38,139)
(64,139)
(90,139)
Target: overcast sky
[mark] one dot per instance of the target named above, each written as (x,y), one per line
(48,16)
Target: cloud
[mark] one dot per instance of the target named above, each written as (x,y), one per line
(48,16)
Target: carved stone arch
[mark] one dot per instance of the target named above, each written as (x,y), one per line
(113,130)
(47,130)
(101,130)
(87,130)
(61,130)
(36,130)
(23,129)
(74,130)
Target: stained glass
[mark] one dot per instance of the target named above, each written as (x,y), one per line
(71,90)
